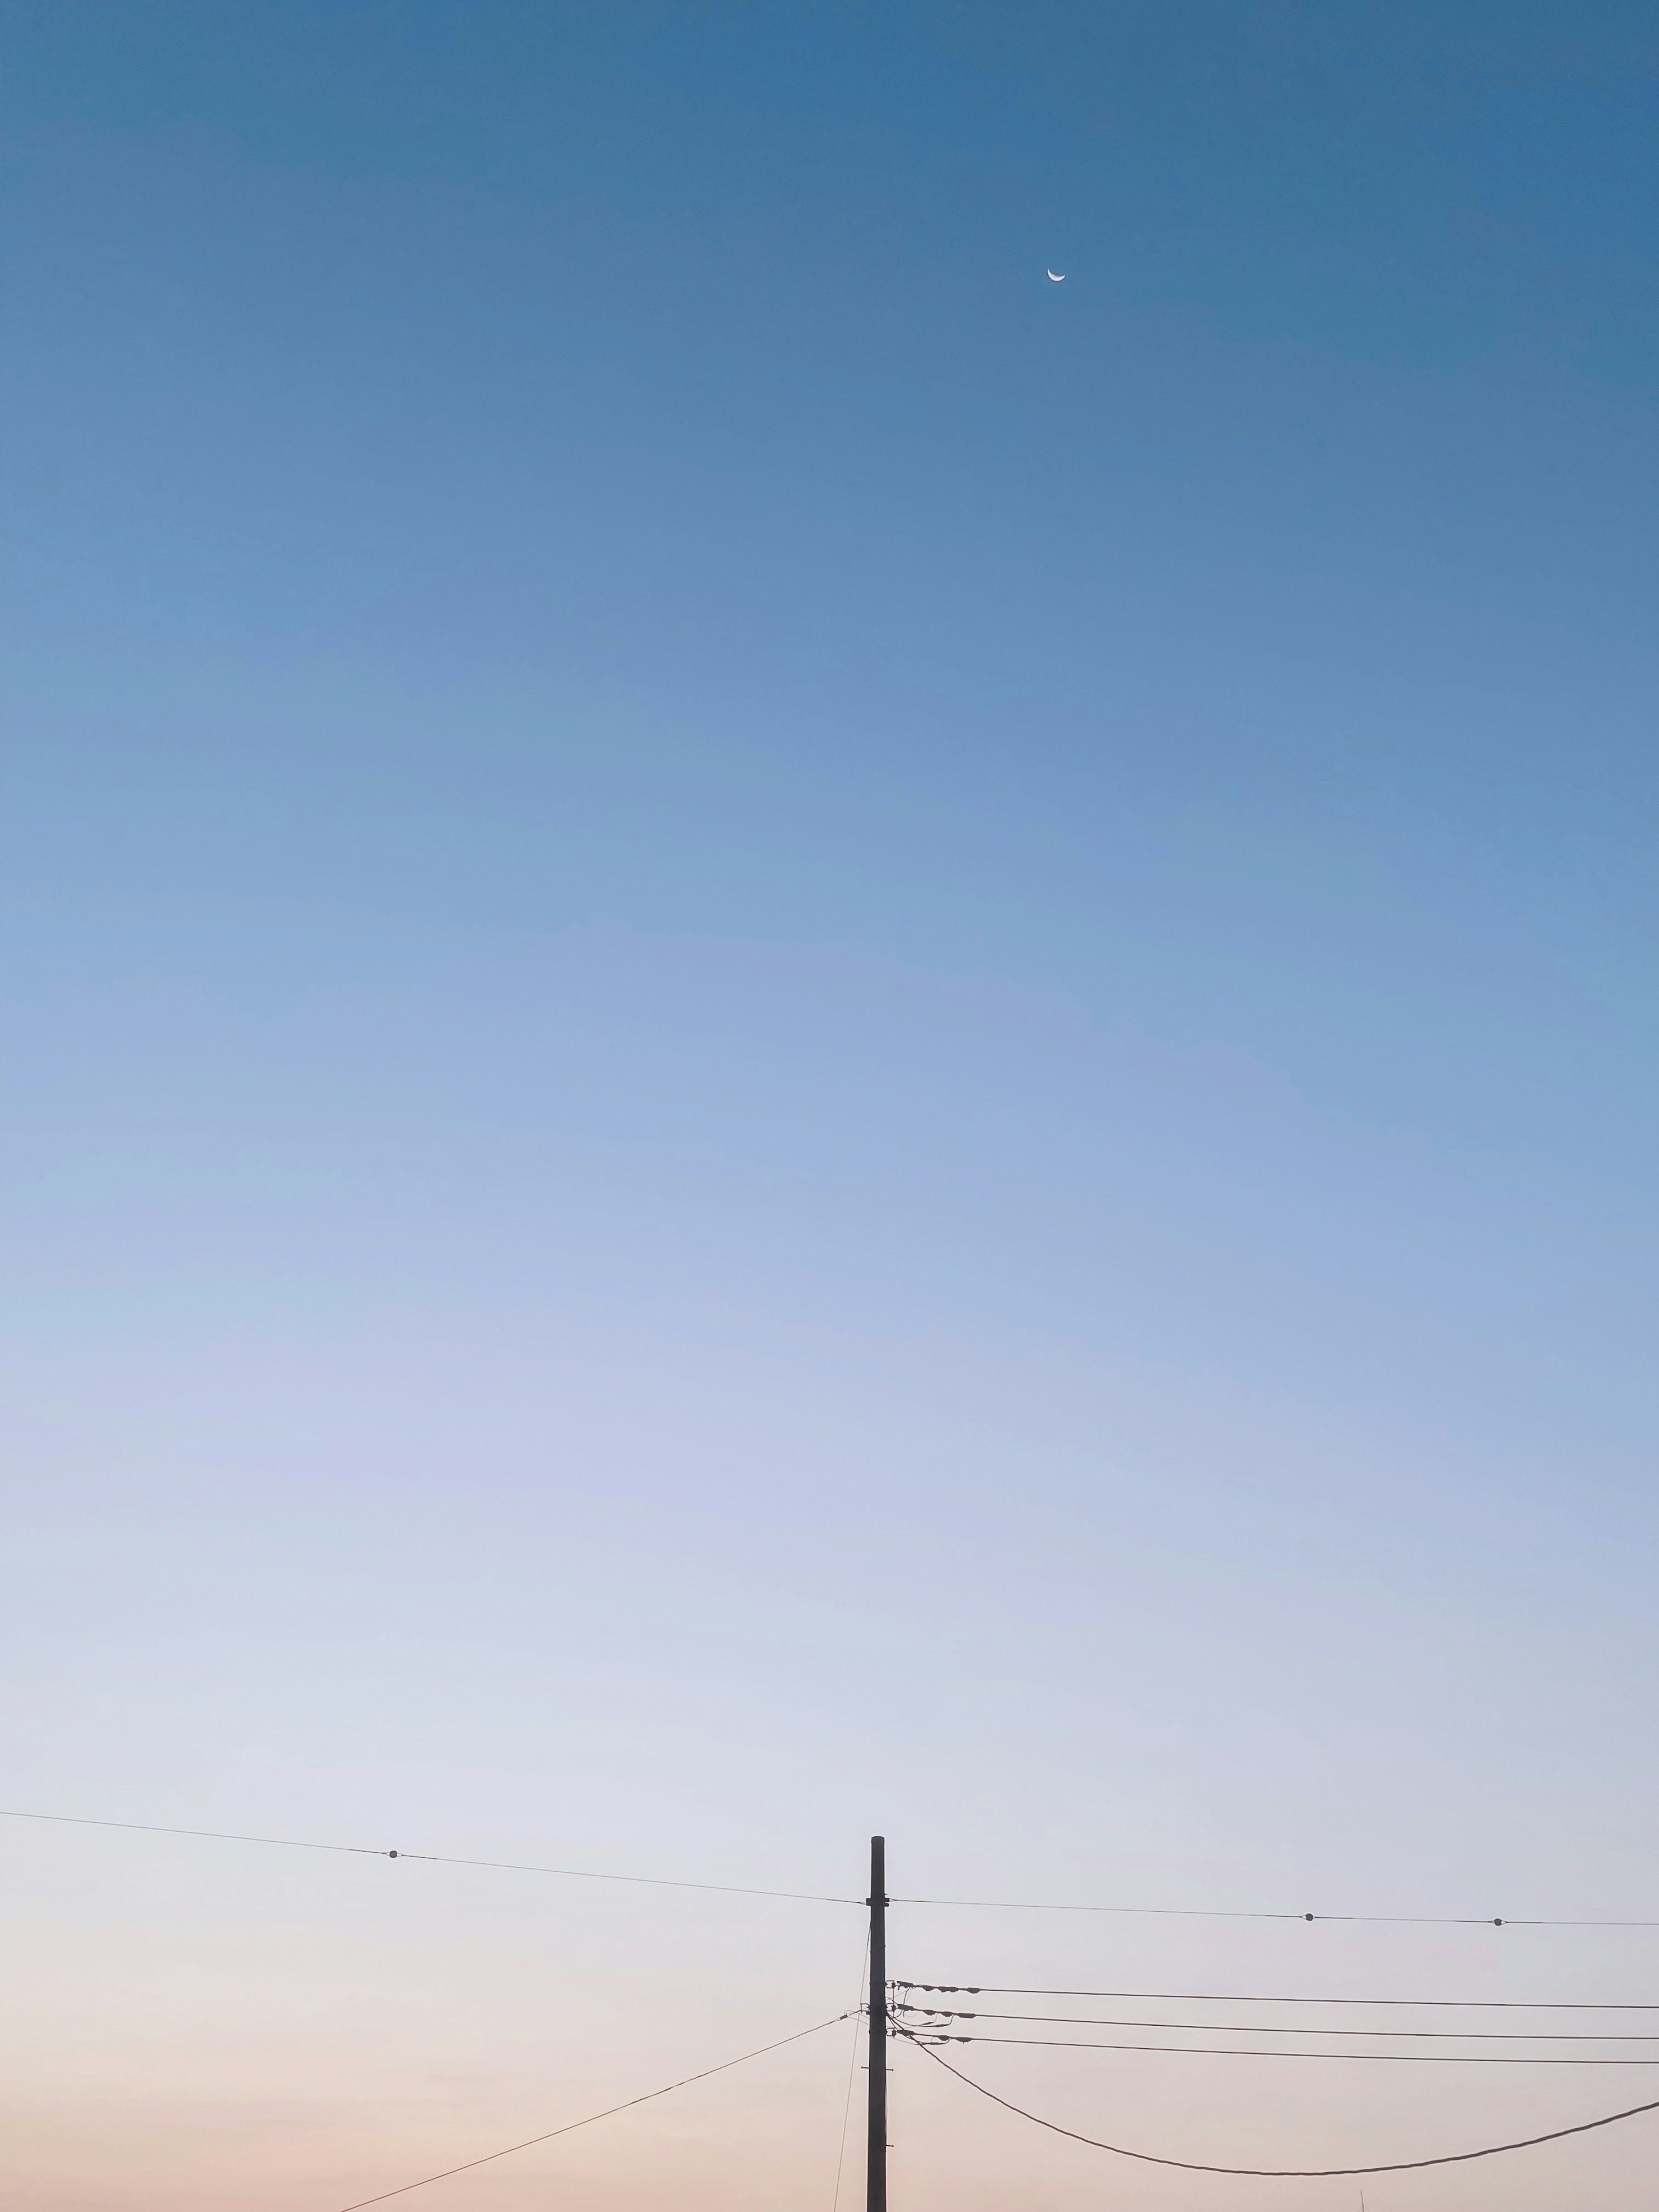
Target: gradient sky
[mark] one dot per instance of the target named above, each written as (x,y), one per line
(803,1038)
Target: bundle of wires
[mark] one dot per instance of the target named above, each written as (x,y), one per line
(1507,2031)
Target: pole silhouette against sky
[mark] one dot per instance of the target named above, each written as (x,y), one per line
(875,2196)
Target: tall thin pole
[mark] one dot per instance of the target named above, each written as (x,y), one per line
(875,2198)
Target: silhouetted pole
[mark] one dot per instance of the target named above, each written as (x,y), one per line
(875,2199)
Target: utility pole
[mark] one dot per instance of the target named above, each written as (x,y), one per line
(875,2198)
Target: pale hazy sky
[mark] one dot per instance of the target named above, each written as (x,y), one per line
(802,1037)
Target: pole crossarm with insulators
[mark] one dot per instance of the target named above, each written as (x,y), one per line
(876,2189)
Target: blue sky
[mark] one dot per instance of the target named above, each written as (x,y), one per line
(806,1036)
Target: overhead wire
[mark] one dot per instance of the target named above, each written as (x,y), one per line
(1214,1996)
(1297,2172)
(1283,2028)
(609,2113)
(1223,2051)
(819,1897)
(1217,1912)
(434,1858)
(919,2034)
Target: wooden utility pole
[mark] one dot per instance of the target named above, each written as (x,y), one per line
(875,2198)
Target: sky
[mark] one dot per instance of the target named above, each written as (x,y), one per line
(805,1037)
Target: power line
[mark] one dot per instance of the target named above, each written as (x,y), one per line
(1212,1996)
(611,2111)
(1217,1912)
(1297,2172)
(1283,2028)
(1221,2051)
(431,1858)
(819,1897)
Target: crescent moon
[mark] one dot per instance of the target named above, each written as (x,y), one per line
(1053,279)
